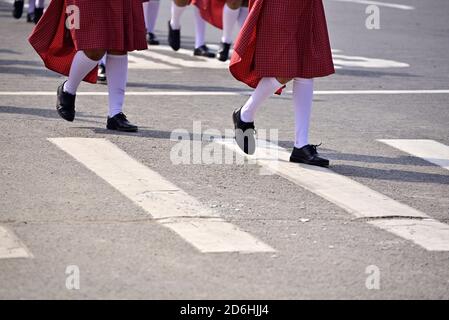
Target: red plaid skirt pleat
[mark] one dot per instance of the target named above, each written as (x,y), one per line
(211,11)
(104,24)
(282,38)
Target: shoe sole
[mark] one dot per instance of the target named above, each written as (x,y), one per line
(205,55)
(173,47)
(171,40)
(122,130)
(64,117)
(18,9)
(235,137)
(69,119)
(323,165)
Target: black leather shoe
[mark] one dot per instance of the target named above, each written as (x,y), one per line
(223,52)
(18,9)
(30,17)
(101,73)
(38,12)
(65,104)
(203,51)
(120,123)
(152,39)
(244,133)
(308,155)
(174,38)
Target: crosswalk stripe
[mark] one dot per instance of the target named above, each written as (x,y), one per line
(179,61)
(163,57)
(137,62)
(429,233)
(226,93)
(164,201)
(429,150)
(353,197)
(131,93)
(380,4)
(11,246)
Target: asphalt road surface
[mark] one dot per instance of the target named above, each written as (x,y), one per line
(88,213)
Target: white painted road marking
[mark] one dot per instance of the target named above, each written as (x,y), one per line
(380,4)
(137,62)
(226,93)
(169,205)
(157,58)
(131,93)
(367,2)
(341,61)
(430,234)
(11,246)
(182,59)
(429,150)
(355,198)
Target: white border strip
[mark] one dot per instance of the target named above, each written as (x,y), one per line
(168,204)
(429,150)
(226,93)
(428,233)
(380,4)
(11,247)
(353,197)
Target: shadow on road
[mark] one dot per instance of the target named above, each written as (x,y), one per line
(343,169)
(44,113)
(178,87)
(390,174)
(8,51)
(372,74)
(28,71)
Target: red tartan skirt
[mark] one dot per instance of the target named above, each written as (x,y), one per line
(104,24)
(285,39)
(211,11)
(109,24)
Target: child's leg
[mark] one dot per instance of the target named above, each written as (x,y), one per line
(231,12)
(31,6)
(103,60)
(39,10)
(200,29)
(150,12)
(243,15)
(265,88)
(101,77)
(302,101)
(18,9)
(201,48)
(177,9)
(151,15)
(117,75)
(174,25)
(243,118)
(81,66)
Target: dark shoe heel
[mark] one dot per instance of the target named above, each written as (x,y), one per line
(65,104)
(244,133)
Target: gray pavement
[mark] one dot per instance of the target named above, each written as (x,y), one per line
(66,215)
